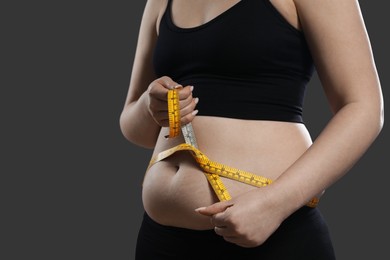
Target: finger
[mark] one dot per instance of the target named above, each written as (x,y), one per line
(185,92)
(219,230)
(225,232)
(189,107)
(217,223)
(159,87)
(214,208)
(237,241)
(188,118)
(233,238)
(167,82)
(186,102)
(157,91)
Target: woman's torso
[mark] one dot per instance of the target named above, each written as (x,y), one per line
(175,187)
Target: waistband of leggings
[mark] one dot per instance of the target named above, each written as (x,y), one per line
(300,213)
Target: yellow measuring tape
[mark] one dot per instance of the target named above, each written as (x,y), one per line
(212,170)
(173,113)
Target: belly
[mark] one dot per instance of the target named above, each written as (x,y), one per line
(175,187)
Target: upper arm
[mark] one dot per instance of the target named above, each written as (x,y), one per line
(341,50)
(142,72)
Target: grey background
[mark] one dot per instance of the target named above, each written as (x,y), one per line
(71,183)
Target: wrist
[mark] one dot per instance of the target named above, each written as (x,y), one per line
(145,107)
(285,198)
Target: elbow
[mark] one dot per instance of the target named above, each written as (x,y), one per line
(123,128)
(378,110)
(131,135)
(381,119)
(377,117)
(380,113)
(125,132)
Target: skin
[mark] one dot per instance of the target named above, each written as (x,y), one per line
(300,168)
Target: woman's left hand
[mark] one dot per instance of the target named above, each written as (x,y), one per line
(247,220)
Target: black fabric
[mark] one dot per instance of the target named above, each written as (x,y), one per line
(302,236)
(247,63)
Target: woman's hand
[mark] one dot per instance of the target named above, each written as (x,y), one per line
(158,107)
(247,220)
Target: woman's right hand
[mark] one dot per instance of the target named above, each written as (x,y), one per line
(158,106)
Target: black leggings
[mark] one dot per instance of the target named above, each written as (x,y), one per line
(302,236)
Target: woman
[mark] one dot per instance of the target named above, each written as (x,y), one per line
(240,69)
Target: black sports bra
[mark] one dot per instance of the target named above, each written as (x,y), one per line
(246,63)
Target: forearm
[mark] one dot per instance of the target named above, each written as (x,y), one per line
(339,146)
(137,125)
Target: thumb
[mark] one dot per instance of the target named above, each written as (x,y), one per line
(214,208)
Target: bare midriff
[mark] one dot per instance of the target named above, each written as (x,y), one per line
(175,187)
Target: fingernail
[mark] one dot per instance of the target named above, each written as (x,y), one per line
(196,100)
(199,209)
(192,88)
(195,112)
(178,86)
